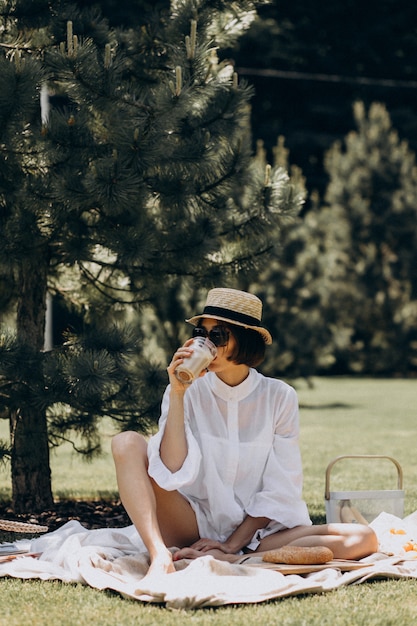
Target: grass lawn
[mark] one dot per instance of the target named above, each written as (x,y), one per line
(339,416)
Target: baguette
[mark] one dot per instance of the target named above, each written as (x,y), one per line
(298,555)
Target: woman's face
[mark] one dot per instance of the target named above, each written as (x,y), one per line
(228,371)
(223,352)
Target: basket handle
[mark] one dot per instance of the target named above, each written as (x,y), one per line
(362,456)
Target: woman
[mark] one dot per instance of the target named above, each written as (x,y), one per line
(223,474)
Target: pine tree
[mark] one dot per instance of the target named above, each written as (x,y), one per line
(140,181)
(305,288)
(373,181)
(341,286)
(301,284)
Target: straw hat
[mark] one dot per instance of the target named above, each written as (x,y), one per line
(234,306)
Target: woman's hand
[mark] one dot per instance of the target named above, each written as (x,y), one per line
(205,545)
(182,353)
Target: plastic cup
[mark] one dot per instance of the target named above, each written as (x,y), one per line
(204,351)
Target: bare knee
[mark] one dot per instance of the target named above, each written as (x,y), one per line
(359,540)
(367,541)
(127,443)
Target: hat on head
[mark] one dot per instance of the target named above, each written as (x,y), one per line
(234,306)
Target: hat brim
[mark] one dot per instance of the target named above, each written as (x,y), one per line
(266,335)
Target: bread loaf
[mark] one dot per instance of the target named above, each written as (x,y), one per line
(297,555)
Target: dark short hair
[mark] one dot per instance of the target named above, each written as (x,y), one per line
(250,346)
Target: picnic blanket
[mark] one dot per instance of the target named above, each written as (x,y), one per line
(116,559)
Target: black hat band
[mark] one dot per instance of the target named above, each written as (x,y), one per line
(231,315)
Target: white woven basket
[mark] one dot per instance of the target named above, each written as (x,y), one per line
(363,506)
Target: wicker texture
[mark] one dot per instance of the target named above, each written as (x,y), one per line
(21,527)
(228,304)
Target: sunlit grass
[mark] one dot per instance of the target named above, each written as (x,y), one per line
(339,416)
(72,475)
(345,416)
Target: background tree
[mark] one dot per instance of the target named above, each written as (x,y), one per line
(305,288)
(142,175)
(373,182)
(305,285)
(341,287)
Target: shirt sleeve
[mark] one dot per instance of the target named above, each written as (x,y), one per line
(280,496)
(188,473)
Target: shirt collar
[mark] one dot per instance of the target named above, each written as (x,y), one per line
(227,393)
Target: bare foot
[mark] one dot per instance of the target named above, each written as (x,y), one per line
(161,564)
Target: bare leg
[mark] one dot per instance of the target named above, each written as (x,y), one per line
(161,518)
(346,541)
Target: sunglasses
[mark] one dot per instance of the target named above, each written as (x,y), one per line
(219,335)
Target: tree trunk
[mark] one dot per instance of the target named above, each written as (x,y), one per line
(31,474)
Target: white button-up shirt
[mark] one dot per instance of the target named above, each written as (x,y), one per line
(243,455)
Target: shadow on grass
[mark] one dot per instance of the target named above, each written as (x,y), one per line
(331,405)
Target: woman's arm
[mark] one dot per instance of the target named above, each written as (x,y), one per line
(174,449)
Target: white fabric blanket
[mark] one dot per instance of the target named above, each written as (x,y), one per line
(111,558)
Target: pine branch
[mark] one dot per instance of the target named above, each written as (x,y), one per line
(85,451)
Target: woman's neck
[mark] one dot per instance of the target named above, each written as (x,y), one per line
(235,376)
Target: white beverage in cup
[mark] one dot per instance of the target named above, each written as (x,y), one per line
(203,353)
